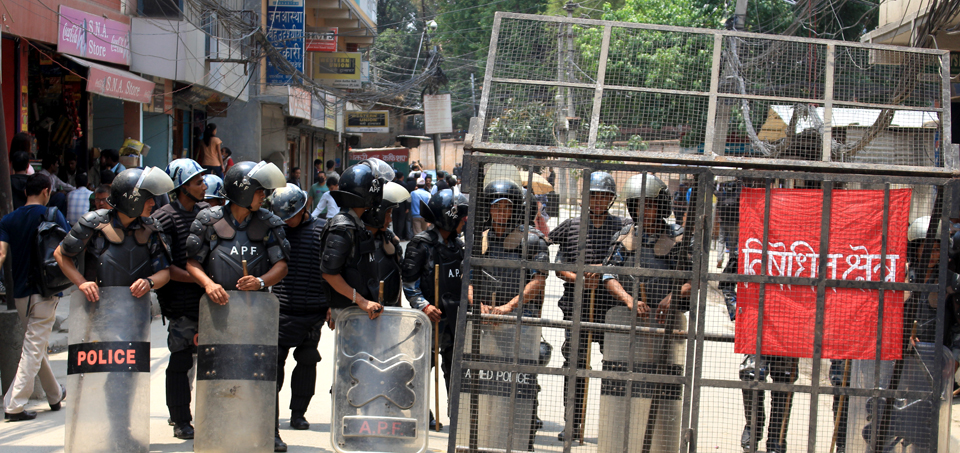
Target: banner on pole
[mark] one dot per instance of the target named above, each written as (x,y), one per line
(793,250)
(436,114)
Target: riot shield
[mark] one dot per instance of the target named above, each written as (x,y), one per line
(654,407)
(108,373)
(381,381)
(485,398)
(910,420)
(237,373)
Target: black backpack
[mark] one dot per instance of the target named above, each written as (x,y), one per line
(50,279)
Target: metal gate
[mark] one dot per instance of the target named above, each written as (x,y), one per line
(549,346)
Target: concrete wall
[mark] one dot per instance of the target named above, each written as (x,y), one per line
(107,122)
(240,130)
(273,141)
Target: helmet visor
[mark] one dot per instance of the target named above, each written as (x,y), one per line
(381,169)
(155,181)
(268,175)
(394,193)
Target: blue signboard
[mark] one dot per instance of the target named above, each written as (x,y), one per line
(285,20)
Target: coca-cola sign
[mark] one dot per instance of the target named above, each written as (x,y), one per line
(94,37)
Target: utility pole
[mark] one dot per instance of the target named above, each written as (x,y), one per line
(722,124)
(473,96)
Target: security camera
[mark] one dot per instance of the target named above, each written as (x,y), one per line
(432,26)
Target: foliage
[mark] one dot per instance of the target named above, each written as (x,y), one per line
(606,134)
(636,143)
(528,124)
(397,15)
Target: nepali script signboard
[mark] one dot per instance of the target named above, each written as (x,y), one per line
(793,250)
(285,20)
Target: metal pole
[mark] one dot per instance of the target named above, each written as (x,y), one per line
(419,48)
(568,75)
(473,95)
(725,105)
(436,345)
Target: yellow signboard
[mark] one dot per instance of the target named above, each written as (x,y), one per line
(342,69)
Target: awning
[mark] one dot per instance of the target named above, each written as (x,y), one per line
(115,83)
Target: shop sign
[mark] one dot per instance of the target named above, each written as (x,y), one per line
(375,121)
(317,114)
(285,20)
(340,69)
(298,105)
(323,40)
(93,37)
(390,156)
(118,86)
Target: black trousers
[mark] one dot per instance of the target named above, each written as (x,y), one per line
(781,370)
(303,380)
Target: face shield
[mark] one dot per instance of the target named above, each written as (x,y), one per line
(395,194)
(154,181)
(381,169)
(268,175)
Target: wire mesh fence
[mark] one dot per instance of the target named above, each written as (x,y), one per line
(630,319)
(639,91)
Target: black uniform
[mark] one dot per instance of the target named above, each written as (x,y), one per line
(117,256)
(220,244)
(426,250)
(597,247)
(347,249)
(303,310)
(180,303)
(389,257)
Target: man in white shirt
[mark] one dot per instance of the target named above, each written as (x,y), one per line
(326,201)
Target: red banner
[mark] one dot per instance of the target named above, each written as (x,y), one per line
(789,315)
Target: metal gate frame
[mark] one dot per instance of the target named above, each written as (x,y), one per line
(691,380)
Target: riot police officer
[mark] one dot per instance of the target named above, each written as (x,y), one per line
(649,243)
(214,193)
(602,227)
(303,309)
(124,248)
(347,261)
(388,254)
(439,245)
(180,299)
(239,247)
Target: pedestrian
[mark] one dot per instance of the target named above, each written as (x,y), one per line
(439,245)
(20,162)
(68,172)
(428,183)
(180,299)
(22,142)
(37,314)
(346,266)
(387,251)
(458,170)
(239,247)
(303,309)
(213,196)
(602,226)
(419,197)
(331,171)
(316,191)
(327,207)
(209,156)
(101,197)
(78,201)
(294,177)
(110,160)
(225,156)
(317,168)
(58,197)
(121,247)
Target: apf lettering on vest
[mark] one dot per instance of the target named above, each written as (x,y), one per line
(243,251)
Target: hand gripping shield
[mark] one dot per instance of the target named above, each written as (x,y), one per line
(237,373)
(654,407)
(108,373)
(381,381)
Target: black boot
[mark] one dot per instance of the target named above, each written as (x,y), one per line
(298,421)
(183,431)
(278,444)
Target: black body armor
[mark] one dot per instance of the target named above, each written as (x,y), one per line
(117,256)
(389,256)
(220,246)
(661,251)
(449,255)
(496,286)
(178,298)
(297,291)
(348,249)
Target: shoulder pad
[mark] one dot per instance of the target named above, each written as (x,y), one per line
(93,219)
(626,238)
(150,222)
(424,237)
(210,216)
(341,222)
(674,230)
(626,230)
(275,221)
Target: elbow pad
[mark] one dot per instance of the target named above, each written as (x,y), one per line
(336,250)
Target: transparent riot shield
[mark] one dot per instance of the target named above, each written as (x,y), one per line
(654,408)
(381,381)
(237,373)
(910,421)
(485,399)
(108,373)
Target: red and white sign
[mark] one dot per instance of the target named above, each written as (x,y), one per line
(90,36)
(789,316)
(116,83)
(323,40)
(395,155)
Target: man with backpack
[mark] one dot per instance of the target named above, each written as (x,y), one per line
(18,231)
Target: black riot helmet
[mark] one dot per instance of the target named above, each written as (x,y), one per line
(501,189)
(288,201)
(393,195)
(133,187)
(361,186)
(603,182)
(245,178)
(445,210)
